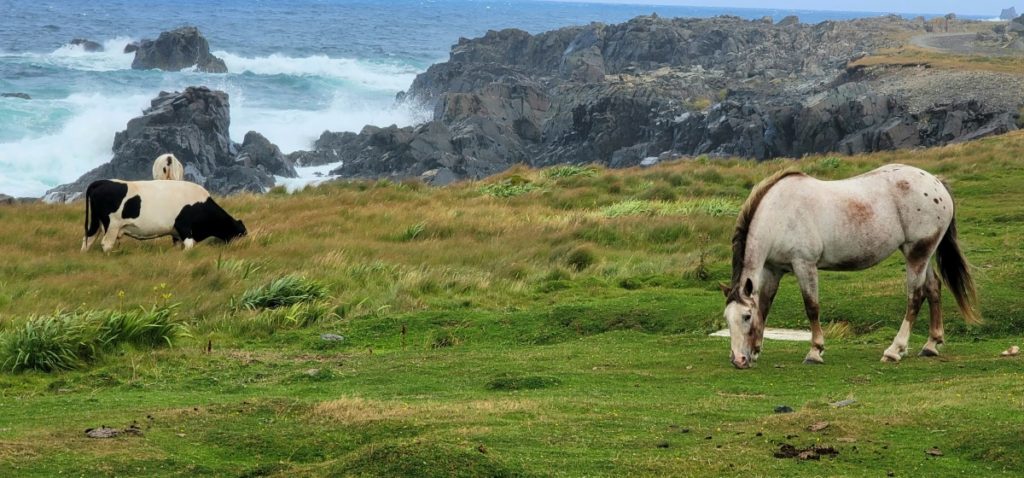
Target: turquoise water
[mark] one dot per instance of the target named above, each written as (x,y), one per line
(297,67)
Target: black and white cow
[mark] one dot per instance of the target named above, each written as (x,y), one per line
(151,209)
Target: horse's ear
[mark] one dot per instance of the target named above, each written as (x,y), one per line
(748,287)
(725,289)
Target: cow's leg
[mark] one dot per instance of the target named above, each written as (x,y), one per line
(88,240)
(917,275)
(933,292)
(769,287)
(110,237)
(807,275)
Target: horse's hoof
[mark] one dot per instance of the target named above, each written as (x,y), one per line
(928,353)
(811,361)
(891,358)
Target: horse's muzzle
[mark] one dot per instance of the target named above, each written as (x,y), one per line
(740,362)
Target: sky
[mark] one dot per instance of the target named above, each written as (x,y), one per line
(972,7)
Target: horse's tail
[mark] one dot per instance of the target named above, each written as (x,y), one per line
(956,272)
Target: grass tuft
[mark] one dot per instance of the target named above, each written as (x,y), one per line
(510,382)
(286,291)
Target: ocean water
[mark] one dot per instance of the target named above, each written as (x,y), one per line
(297,67)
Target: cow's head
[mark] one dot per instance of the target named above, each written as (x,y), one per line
(239,230)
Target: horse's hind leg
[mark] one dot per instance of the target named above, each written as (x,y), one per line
(807,276)
(933,292)
(917,275)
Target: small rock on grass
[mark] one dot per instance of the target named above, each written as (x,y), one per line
(102,432)
(933,452)
(1011,352)
(818,426)
(843,403)
(331,337)
(783,409)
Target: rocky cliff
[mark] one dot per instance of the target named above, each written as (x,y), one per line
(656,87)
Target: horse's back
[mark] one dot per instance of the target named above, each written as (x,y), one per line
(853,223)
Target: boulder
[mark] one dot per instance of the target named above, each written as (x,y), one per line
(259,153)
(23,96)
(87,45)
(193,125)
(133,46)
(789,20)
(176,50)
(1008,14)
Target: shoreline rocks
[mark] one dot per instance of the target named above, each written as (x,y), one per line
(87,45)
(656,88)
(193,125)
(176,50)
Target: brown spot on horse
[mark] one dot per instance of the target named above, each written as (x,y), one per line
(859,212)
(903,185)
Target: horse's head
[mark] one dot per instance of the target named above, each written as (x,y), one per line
(746,326)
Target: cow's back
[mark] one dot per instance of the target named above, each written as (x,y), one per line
(159,203)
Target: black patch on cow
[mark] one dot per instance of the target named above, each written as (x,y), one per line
(102,198)
(206,219)
(132,207)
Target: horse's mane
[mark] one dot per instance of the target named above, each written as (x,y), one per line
(739,237)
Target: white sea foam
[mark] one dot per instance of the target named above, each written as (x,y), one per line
(369,75)
(75,57)
(294,129)
(308,176)
(29,166)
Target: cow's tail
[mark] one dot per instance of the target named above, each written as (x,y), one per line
(956,272)
(92,223)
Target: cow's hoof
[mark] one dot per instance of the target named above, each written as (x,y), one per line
(928,353)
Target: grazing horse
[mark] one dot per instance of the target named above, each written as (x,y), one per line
(167,167)
(792,222)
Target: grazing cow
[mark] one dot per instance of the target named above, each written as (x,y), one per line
(151,209)
(167,166)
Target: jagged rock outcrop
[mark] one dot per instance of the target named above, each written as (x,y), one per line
(258,152)
(654,87)
(176,50)
(20,96)
(193,125)
(1008,14)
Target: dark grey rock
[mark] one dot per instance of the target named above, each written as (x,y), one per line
(258,152)
(23,96)
(789,21)
(87,45)
(652,87)
(193,125)
(176,50)
(1008,13)
(331,337)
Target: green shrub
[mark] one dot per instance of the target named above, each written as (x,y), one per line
(63,341)
(569,171)
(283,292)
(142,327)
(509,187)
(581,258)
(69,340)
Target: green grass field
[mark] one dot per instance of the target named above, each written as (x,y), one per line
(541,323)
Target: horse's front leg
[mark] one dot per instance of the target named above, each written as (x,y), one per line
(769,287)
(807,275)
(917,273)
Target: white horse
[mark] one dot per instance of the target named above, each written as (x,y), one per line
(168,167)
(792,222)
